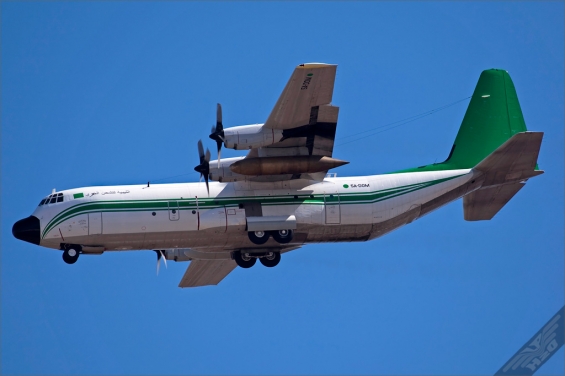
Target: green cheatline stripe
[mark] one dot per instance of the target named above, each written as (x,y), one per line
(353,198)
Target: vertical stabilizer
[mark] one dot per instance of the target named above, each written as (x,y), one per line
(493,116)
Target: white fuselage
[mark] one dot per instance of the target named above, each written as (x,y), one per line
(183,215)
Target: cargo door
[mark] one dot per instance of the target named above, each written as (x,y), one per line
(94,223)
(332,208)
(174,211)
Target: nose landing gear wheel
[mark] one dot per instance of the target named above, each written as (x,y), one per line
(258,237)
(70,255)
(271,260)
(244,260)
(282,236)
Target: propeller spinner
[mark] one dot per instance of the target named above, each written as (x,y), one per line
(204,166)
(218,131)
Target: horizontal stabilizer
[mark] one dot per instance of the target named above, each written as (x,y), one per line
(484,203)
(505,171)
(513,161)
(206,272)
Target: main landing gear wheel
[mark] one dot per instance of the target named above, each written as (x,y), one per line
(282,236)
(271,260)
(258,237)
(70,255)
(244,260)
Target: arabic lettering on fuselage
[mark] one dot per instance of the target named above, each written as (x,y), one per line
(107,193)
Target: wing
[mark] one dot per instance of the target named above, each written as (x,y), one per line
(206,272)
(212,268)
(304,114)
(310,85)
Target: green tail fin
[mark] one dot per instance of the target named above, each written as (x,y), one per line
(493,116)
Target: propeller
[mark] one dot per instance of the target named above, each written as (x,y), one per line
(218,131)
(160,255)
(204,166)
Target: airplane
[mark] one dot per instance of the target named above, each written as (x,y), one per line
(280,196)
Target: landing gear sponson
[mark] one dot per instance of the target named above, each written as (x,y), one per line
(247,259)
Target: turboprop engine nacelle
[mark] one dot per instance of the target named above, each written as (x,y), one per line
(250,136)
(223,172)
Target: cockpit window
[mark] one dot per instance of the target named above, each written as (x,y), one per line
(51,199)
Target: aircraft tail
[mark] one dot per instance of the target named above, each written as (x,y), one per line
(493,140)
(493,116)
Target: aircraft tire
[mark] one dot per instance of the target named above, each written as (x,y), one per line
(271,262)
(243,262)
(70,255)
(282,236)
(258,237)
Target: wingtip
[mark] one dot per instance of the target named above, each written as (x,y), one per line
(315,65)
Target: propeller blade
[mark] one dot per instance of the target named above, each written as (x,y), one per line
(204,166)
(206,175)
(164,259)
(200,149)
(219,125)
(159,255)
(218,131)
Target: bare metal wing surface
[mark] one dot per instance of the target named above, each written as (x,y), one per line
(206,272)
(304,114)
(310,85)
(212,268)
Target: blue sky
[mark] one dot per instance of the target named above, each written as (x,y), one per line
(120,92)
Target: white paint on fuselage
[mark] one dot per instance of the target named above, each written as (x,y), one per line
(362,201)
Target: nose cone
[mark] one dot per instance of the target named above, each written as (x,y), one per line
(27,229)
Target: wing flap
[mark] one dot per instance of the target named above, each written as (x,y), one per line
(483,204)
(206,272)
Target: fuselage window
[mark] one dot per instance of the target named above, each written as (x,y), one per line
(42,202)
(60,197)
(53,200)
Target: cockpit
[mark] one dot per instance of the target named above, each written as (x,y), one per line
(51,199)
